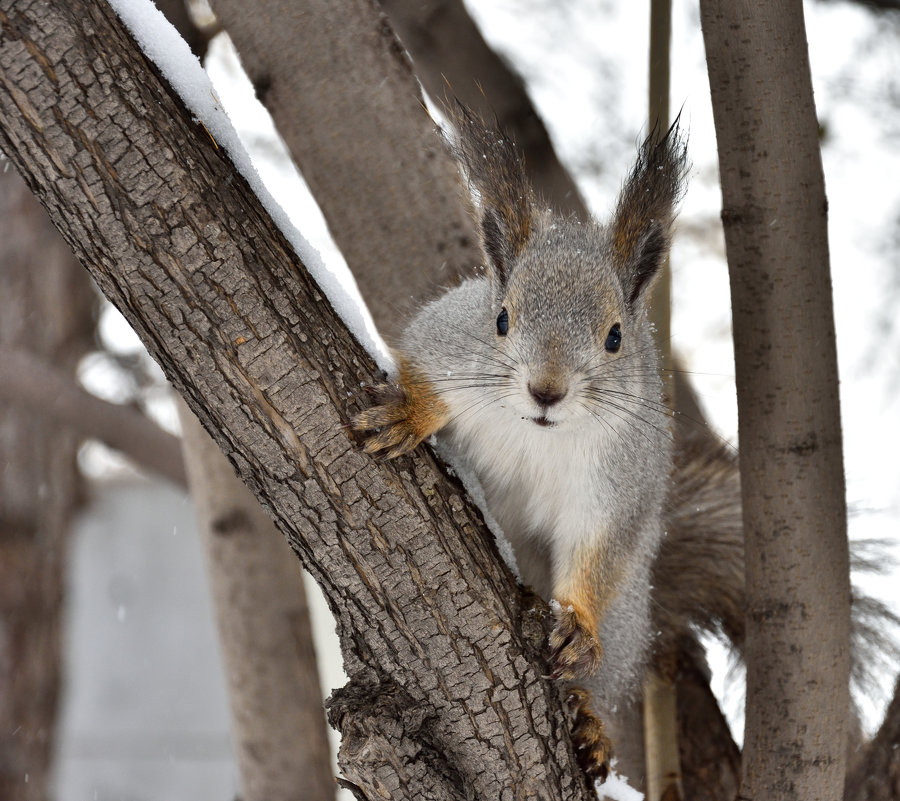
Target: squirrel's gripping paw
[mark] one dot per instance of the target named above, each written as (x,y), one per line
(401,419)
(593,749)
(391,419)
(575,651)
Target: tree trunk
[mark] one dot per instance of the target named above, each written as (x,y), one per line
(446,675)
(265,632)
(345,100)
(774,211)
(45,309)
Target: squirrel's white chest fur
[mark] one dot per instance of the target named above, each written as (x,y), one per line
(540,483)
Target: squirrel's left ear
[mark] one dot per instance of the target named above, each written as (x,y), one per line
(495,168)
(643,219)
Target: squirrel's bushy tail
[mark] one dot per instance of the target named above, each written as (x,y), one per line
(698,576)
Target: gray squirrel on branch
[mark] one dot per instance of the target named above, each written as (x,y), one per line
(541,378)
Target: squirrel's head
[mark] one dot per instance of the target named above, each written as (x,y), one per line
(570,298)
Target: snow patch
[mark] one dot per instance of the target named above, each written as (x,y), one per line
(163,45)
(617,788)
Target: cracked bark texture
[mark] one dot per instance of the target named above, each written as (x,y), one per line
(792,479)
(347,104)
(426,612)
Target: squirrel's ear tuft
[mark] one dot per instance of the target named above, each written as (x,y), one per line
(645,211)
(496,170)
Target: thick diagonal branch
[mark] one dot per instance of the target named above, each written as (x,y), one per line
(176,240)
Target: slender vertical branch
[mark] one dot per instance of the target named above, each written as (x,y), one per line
(660,702)
(658,115)
(775,217)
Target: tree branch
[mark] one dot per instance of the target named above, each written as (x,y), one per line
(351,113)
(876,776)
(40,388)
(46,305)
(792,479)
(425,610)
(264,630)
(451,57)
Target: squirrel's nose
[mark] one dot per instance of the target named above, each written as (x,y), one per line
(547,394)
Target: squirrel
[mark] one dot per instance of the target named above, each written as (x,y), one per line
(541,377)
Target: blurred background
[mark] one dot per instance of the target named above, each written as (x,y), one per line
(103,575)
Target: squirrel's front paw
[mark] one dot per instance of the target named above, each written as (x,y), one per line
(593,749)
(404,415)
(394,420)
(575,651)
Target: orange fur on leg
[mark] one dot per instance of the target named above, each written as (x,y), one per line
(407,413)
(575,646)
(593,748)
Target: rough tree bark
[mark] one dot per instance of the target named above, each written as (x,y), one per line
(774,211)
(347,104)
(46,309)
(264,629)
(446,695)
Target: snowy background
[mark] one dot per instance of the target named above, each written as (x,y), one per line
(145,713)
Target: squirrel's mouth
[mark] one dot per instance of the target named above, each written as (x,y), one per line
(543,421)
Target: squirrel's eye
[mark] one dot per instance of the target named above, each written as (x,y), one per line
(503,322)
(614,338)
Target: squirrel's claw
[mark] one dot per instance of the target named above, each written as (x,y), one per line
(390,408)
(405,413)
(397,432)
(593,748)
(575,651)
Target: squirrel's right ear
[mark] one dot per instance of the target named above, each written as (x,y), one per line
(496,171)
(645,211)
